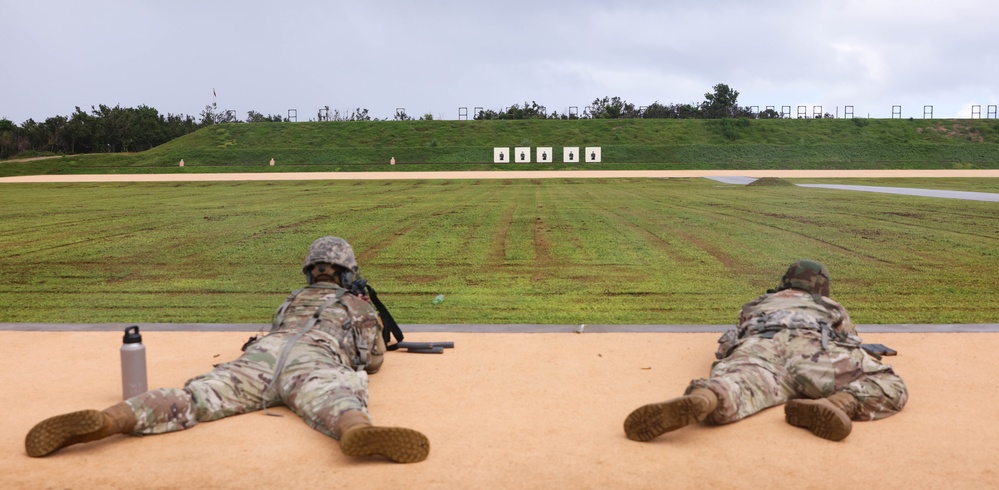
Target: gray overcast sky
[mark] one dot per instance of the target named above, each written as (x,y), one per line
(436,56)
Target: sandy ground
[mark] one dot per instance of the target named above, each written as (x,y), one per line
(553,174)
(507,411)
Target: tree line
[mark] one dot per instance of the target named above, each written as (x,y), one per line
(101,130)
(722,102)
(107,129)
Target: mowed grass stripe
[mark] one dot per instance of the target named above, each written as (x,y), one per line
(501,251)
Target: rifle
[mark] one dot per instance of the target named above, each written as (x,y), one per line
(423,347)
(878,350)
(391,328)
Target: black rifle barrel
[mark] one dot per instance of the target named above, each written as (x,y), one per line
(432,350)
(425,345)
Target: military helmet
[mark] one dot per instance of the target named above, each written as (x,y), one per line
(331,250)
(806,275)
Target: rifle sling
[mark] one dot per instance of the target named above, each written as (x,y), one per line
(390,327)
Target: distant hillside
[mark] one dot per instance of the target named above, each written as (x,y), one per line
(625,144)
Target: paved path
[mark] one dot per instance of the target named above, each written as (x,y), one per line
(966,195)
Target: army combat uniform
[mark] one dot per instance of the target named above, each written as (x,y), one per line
(793,346)
(315,360)
(324,373)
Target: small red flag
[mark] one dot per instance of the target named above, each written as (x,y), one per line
(214,94)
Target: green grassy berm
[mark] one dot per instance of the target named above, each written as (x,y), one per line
(627,144)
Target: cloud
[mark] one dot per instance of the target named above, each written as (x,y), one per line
(440,55)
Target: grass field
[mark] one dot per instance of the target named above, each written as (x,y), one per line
(571,251)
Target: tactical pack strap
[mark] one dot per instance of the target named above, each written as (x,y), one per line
(290,343)
(279,315)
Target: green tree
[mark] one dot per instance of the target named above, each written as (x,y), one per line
(515,111)
(612,108)
(81,132)
(57,134)
(769,114)
(212,115)
(177,125)
(359,114)
(32,136)
(656,110)
(254,117)
(486,114)
(721,103)
(8,135)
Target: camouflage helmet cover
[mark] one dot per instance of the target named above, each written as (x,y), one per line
(331,250)
(806,275)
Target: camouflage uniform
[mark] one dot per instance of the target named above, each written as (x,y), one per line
(794,344)
(315,360)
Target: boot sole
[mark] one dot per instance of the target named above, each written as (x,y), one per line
(653,420)
(823,420)
(60,431)
(396,443)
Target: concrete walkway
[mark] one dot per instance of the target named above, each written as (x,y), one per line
(946,194)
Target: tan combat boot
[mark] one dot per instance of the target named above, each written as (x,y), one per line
(54,433)
(359,438)
(828,418)
(653,420)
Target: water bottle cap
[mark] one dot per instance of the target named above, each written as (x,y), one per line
(132,335)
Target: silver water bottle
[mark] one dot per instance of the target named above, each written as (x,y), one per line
(133,364)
